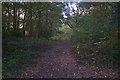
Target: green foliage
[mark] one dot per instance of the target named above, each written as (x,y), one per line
(62,32)
(21,52)
(38,19)
(94,35)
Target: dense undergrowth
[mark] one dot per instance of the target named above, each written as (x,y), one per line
(95,39)
(18,53)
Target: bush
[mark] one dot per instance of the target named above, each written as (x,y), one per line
(95,38)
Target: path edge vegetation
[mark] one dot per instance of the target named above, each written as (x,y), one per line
(94,36)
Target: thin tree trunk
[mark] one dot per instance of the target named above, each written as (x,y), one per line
(18,19)
(14,19)
(46,33)
(39,24)
(24,23)
(30,19)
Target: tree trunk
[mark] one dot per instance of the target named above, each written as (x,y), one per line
(39,24)
(14,19)
(24,22)
(30,19)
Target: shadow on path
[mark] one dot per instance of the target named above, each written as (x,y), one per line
(58,62)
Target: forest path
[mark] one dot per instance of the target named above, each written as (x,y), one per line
(58,62)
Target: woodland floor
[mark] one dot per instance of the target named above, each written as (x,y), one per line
(59,62)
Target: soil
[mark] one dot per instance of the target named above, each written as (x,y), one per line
(59,62)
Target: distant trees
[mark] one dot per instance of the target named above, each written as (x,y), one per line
(29,19)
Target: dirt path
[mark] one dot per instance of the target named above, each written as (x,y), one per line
(59,62)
